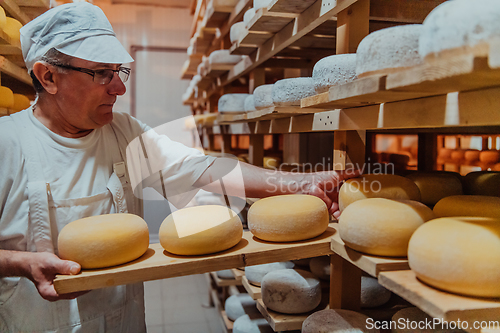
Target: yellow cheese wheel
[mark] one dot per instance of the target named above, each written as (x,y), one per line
(489,156)
(471,155)
(6,97)
(434,186)
(12,27)
(377,186)
(482,183)
(288,218)
(382,226)
(200,230)
(3,18)
(468,205)
(21,102)
(459,255)
(104,240)
(457,155)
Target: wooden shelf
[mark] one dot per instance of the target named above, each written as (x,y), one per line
(158,264)
(224,282)
(252,290)
(190,67)
(439,304)
(238,274)
(13,9)
(226,324)
(16,72)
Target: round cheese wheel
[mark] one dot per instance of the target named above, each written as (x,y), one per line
(382,226)
(460,26)
(200,230)
(468,205)
(11,28)
(334,70)
(489,156)
(225,274)
(3,18)
(388,50)
(434,186)
(459,255)
(457,155)
(444,155)
(256,273)
(403,317)
(336,321)
(250,104)
(223,57)
(291,291)
(320,267)
(377,186)
(263,96)
(248,16)
(245,324)
(482,183)
(289,92)
(239,305)
(6,98)
(372,293)
(104,240)
(288,218)
(232,103)
(471,156)
(238,30)
(21,102)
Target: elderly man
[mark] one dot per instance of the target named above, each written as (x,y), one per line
(64,159)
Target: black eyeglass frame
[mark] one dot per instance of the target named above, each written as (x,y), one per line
(121,69)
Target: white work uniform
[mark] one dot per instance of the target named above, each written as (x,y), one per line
(48,181)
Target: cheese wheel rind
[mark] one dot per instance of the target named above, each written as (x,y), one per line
(289,92)
(245,324)
(334,70)
(208,229)
(372,293)
(468,205)
(256,273)
(336,320)
(434,186)
(288,218)
(239,305)
(104,240)
(482,183)
(458,255)
(6,98)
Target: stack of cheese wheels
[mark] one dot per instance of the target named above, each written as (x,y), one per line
(320,267)
(6,98)
(246,324)
(289,92)
(388,50)
(238,30)
(434,186)
(405,316)
(255,274)
(288,218)
(372,293)
(468,205)
(11,28)
(200,230)
(263,96)
(104,240)
(232,103)
(381,226)
(482,183)
(336,321)
(291,291)
(459,255)
(377,186)
(223,57)
(249,104)
(334,70)
(460,27)
(239,305)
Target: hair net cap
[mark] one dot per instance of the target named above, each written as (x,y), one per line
(79,30)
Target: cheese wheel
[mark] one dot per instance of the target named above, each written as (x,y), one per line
(239,305)
(249,14)
(458,27)
(388,50)
(489,156)
(256,273)
(232,103)
(457,155)
(482,183)
(237,31)
(336,321)
(225,274)
(289,92)
(334,70)
(471,155)
(11,28)
(263,96)
(6,98)
(288,218)
(223,57)
(21,102)
(291,291)
(320,267)
(3,18)
(415,315)
(104,240)
(377,186)
(372,293)
(459,255)
(444,155)
(249,104)
(200,230)
(434,186)
(468,205)
(245,324)
(382,226)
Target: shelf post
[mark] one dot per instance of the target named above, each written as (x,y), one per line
(349,149)
(345,284)
(352,26)
(256,149)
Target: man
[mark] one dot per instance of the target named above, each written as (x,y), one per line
(64,159)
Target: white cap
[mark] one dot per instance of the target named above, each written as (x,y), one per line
(79,30)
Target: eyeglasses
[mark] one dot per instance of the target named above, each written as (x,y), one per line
(101,76)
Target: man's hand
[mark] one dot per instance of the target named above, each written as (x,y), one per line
(41,268)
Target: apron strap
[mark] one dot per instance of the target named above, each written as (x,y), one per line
(38,188)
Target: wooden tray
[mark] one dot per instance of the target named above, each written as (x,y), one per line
(159,264)
(252,290)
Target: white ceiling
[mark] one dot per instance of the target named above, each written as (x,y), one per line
(163,3)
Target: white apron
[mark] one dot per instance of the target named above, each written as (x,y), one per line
(114,309)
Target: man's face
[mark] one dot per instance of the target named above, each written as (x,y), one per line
(84,103)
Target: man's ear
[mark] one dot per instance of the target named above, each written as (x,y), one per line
(46,77)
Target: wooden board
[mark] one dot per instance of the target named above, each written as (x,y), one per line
(439,304)
(159,264)
(372,265)
(224,282)
(226,324)
(231,117)
(18,73)
(252,290)
(256,37)
(263,20)
(216,70)
(238,274)
(242,49)
(290,6)
(13,9)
